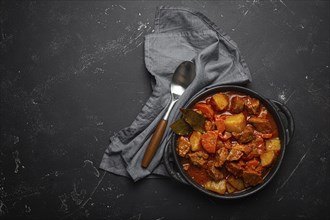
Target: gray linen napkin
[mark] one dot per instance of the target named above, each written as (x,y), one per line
(180,34)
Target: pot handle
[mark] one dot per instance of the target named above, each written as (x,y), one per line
(290,128)
(169,167)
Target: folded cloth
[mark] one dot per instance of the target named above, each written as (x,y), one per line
(180,34)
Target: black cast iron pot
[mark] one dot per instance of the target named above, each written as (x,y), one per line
(285,124)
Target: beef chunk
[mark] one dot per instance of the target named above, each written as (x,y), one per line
(237,105)
(257,145)
(221,156)
(183,146)
(246,149)
(225,136)
(214,172)
(245,136)
(198,158)
(253,154)
(227,144)
(235,168)
(234,154)
(263,112)
(251,177)
(252,105)
(261,124)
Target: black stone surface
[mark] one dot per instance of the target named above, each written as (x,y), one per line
(72,74)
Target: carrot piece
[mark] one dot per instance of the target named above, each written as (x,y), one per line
(209,141)
(220,124)
(206,110)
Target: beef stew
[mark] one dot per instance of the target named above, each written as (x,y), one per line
(235,147)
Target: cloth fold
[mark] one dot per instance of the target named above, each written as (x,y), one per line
(180,34)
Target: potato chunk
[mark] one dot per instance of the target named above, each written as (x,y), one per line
(235,123)
(230,188)
(195,140)
(219,101)
(273,144)
(237,183)
(218,187)
(267,158)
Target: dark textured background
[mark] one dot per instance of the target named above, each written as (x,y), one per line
(72,74)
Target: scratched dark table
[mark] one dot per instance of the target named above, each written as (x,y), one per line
(73,74)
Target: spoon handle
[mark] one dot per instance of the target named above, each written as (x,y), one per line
(154,143)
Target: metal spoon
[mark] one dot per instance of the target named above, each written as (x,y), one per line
(182,77)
